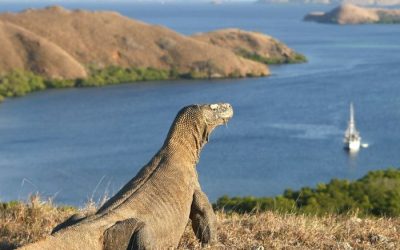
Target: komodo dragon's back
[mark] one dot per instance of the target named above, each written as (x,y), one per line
(152,210)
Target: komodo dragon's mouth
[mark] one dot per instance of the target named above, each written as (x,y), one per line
(223,112)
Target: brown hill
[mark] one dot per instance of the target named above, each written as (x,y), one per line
(106,38)
(252,45)
(20,48)
(352,14)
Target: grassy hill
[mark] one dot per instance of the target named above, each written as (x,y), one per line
(56,48)
(58,43)
(252,45)
(311,227)
(22,223)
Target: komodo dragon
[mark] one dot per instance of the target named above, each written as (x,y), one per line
(152,210)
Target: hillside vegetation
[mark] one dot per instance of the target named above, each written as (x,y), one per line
(375,194)
(18,82)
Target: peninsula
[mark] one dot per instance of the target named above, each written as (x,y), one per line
(352,14)
(55,47)
(252,45)
(60,43)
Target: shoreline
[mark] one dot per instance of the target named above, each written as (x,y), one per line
(18,83)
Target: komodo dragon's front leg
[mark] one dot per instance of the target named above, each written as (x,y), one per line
(203,218)
(128,234)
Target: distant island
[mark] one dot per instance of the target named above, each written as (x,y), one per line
(55,47)
(352,14)
(358,2)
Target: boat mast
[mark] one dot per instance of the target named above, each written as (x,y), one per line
(351,129)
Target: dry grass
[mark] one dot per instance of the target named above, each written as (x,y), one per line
(270,230)
(21,223)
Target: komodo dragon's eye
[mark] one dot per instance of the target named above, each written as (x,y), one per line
(214,106)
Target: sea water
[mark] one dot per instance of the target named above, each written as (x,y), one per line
(287,130)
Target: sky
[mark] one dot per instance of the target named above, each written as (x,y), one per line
(55,1)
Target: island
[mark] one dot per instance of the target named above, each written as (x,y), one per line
(358,2)
(352,14)
(55,47)
(252,45)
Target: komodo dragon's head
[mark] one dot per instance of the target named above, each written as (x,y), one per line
(196,122)
(216,114)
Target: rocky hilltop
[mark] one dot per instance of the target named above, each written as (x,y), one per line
(352,14)
(252,45)
(59,43)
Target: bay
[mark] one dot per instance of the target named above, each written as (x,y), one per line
(77,144)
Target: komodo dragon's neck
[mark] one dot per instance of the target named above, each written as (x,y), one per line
(185,140)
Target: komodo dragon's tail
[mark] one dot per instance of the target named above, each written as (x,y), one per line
(119,236)
(57,243)
(68,240)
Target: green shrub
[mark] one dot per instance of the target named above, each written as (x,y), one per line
(59,83)
(19,83)
(150,74)
(194,74)
(115,75)
(377,193)
(174,73)
(388,19)
(297,58)
(8,205)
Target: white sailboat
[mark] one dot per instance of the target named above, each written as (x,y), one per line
(352,139)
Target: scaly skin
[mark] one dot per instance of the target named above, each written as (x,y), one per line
(152,210)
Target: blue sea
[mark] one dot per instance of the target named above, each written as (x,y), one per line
(78,144)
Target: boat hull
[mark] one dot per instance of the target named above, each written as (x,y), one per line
(353,145)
